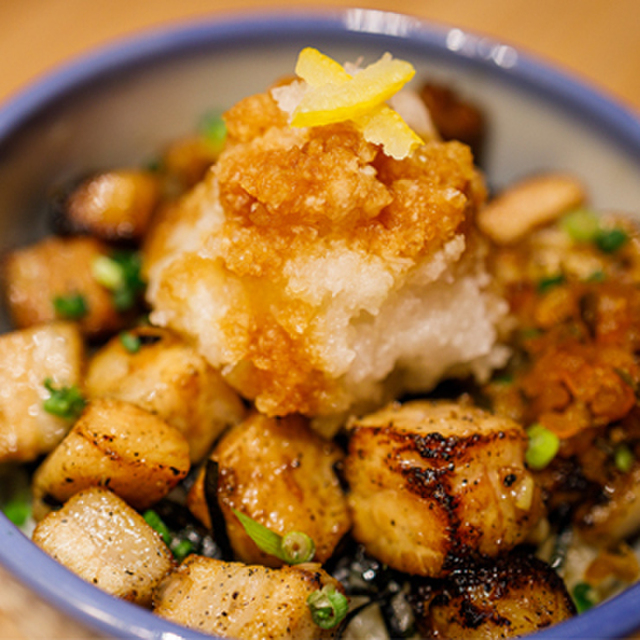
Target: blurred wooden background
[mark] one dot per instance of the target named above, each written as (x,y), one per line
(596,39)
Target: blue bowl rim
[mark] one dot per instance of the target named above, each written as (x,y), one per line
(122,619)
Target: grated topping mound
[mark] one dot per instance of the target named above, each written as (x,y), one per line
(319,273)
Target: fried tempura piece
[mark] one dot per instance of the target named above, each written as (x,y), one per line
(309,267)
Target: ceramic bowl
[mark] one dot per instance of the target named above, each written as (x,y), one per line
(119,105)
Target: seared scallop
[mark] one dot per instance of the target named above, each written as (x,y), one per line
(431,482)
(169,378)
(233,600)
(281,474)
(28,359)
(514,595)
(107,543)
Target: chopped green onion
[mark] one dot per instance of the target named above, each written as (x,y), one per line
(130,341)
(584,597)
(297,547)
(549,282)
(120,273)
(64,402)
(542,448)
(155,522)
(18,510)
(328,607)
(530,333)
(610,240)
(597,276)
(214,129)
(503,378)
(581,225)
(293,548)
(181,548)
(107,272)
(623,458)
(70,307)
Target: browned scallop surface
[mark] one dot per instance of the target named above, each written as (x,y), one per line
(433,481)
(280,473)
(113,205)
(512,596)
(234,600)
(119,446)
(57,267)
(167,377)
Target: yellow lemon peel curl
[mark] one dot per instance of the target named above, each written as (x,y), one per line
(334,95)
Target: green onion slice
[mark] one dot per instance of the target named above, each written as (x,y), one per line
(293,548)
(64,402)
(623,458)
(549,282)
(581,225)
(584,597)
(18,510)
(610,240)
(120,274)
(107,272)
(130,341)
(180,547)
(542,448)
(70,307)
(328,607)
(214,129)
(152,518)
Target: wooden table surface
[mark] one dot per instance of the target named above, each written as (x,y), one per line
(597,39)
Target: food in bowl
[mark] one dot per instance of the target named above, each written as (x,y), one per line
(268,501)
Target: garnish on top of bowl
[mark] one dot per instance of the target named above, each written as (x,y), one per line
(244,461)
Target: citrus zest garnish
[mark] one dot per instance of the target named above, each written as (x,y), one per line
(316,69)
(336,96)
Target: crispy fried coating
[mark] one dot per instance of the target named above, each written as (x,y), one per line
(285,264)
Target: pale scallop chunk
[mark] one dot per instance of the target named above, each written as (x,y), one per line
(107,543)
(28,357)
(116,445)
(280,473)
(432,482)
(530,204)
(234,600)
(167,377)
